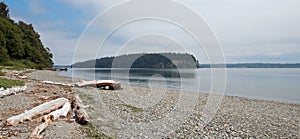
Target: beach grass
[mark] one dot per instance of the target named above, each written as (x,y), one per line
(11,68)
(132,108)
(8,83)
(92,132)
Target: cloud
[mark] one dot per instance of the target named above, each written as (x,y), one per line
(61,45)
(253,29)
(37,8)
(245,28)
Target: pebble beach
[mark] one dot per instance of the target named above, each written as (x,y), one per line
(140,112)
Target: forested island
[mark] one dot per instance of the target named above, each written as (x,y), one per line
(168,61)
(20,44)
(154,60)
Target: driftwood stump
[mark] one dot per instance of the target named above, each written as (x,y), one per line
(81,115)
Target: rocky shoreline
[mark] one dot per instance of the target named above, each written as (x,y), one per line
(138,112)
(35,94)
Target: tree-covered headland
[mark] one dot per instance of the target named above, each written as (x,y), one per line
(20,44)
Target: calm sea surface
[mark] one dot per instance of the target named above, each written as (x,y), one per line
(267,84)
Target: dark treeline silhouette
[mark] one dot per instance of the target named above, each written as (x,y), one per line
(155,60)
(253,65)
(20,44)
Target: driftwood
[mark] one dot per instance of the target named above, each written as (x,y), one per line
(36,111)
(38,130)
(56,114)
(10,91)
(22,77)
(49,118)
(103,84)
(81,115)
(58,83)
(86,83)
(108,84)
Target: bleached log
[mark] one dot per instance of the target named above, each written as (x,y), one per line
(58,83)
(108,84)
(81,115)
(49,118)
(22,77)
(36,111)
(10,91)
(86,83)
(60,112)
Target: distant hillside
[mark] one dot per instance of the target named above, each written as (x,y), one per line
(254,65)
(20,44)
(158,61)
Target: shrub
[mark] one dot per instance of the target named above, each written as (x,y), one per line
(1,73)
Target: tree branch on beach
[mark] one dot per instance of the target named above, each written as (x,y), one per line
(37,111)
(81,115)
(49,118)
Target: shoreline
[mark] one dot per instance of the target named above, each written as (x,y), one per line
(236,116)
(277,88)
(36,93)
(140,112)
(263,98)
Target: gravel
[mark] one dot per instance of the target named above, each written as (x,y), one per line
(36,93)
(236,117)
(139,112)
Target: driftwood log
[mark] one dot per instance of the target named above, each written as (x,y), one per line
(37,111)
(10,91)
(81,115)
(49,118)
(103,84)
(58,83)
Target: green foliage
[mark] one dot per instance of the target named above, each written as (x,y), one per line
(20,64)
(8,83)
(155,60)
(4,10)
(1,73)
(3,54)
(20,45)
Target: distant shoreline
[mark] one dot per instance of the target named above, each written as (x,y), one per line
(235,65)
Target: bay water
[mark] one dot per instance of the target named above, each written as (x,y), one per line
(278,84)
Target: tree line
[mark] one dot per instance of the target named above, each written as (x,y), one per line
(20,44)
(154,60)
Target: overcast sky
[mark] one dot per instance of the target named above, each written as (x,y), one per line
(248,30)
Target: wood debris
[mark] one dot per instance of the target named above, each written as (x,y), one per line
(37,111)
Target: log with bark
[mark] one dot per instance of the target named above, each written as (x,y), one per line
(49,118)
(103,84)
(37,111)
(81,115)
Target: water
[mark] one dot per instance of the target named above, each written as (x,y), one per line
(267,84)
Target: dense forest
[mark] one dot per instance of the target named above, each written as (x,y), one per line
(157,60)
(20,44)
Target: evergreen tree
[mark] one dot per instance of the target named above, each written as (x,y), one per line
(4,10)
(20,44)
